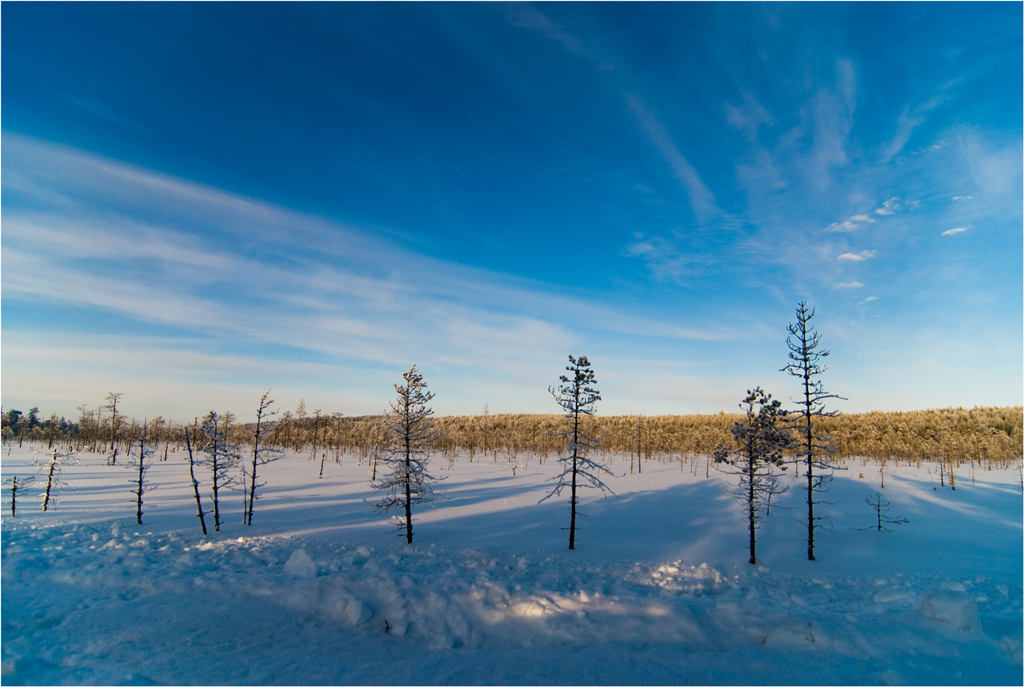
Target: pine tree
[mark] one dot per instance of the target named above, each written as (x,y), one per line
(261,455)
(882,517)
(140,465)
(814,448)
(577,398)
(53,467)
(411,434)
(760,442)
(221,456)
(112,399)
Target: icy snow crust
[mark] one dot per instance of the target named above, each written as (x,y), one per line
(319,591)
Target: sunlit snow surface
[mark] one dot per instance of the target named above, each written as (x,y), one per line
(320,591)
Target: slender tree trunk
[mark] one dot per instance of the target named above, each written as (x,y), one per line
(14,495)
(195,482)
(140,481)
(49,481)
(810,466)
(575,448)
(408,492)
(751,512)
(252,479)
(216,496)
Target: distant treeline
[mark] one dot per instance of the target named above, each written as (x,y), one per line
(956,435)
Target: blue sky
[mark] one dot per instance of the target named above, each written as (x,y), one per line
(204,200)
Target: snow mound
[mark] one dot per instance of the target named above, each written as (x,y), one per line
(300,565)
(955,608)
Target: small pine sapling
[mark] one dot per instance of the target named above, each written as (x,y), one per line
(221,457)
(760,441)
(805,363)
(261,455)
(577,398)
(112,399)
(53,467)
(412,434)
(882,517)
(140,465)
(16,486)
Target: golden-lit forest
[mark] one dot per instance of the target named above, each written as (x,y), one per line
(952,435)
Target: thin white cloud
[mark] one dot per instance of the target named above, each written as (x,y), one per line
(702,201)
(869,299)
(952,232)
(112,241)
(858,257)
(748,117)
(102,111)
(852,224)
(849,285)
(889,207)
(833,120)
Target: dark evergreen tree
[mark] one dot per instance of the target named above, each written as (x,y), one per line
(760,441)
(411,434)
(577,397)
(813,448)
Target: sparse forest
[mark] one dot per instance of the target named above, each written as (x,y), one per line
(954,436)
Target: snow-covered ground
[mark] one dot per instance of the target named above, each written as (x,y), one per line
(321,591)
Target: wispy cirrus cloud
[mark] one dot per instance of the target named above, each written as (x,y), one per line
(118,243)
(702,201)
(849,285)
(954,231)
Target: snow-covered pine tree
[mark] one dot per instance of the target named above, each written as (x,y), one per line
(261,455)
(814,448)
(406,452)
(760,441)
(221,456)
(577,398)
(52,466)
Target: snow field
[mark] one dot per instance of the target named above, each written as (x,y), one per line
(319,591)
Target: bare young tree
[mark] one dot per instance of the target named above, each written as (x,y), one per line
(261,455)
(221,456)
(53,467)
(760,441)
(577,397)
(16,486)
(192,474)
(140,465)
(882,518)
(814,448)
(112,399)
(412,433)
